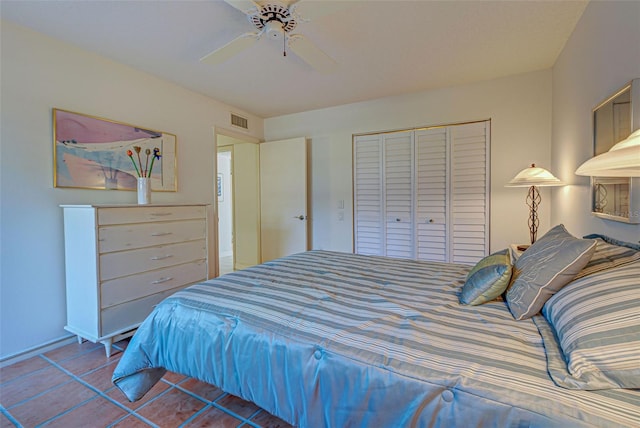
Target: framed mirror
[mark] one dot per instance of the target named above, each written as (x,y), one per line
(616,198)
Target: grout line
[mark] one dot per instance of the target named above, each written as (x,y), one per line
(195,415)
(59,415)
(213,403)
(40,394)
(9,416)
(128,415)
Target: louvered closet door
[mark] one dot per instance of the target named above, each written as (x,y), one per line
(368,209)
(469,192)
(398,194)
(431,194)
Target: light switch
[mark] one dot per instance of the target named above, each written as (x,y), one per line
(341,204)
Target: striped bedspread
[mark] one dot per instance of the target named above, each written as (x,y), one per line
(332,339)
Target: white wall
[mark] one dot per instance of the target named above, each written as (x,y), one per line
(225,215)
(38,74)
(601,56)
(520,111)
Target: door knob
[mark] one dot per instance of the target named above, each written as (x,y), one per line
(299,217)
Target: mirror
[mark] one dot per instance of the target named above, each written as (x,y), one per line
(613,121)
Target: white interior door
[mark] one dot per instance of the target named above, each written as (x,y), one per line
(283,198)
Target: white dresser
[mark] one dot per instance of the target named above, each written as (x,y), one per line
(121,260)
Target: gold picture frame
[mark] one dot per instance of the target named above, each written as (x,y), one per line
(91,153)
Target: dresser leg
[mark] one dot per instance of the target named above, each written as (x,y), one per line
(80,340)
(107,346)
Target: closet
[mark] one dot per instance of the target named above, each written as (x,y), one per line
(423,193)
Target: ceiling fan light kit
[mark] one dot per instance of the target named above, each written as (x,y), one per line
(276,21)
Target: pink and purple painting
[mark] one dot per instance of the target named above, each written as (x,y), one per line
(91,152)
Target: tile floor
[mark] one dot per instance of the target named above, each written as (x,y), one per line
(71,387)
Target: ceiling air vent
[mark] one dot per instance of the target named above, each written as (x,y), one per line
(239,121)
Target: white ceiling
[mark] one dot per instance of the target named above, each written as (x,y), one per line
(382,47)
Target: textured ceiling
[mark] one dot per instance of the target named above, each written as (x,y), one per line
(382,47)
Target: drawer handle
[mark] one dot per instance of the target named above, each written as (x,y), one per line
(161,257)
(161,233)
(161,280)
(160,214)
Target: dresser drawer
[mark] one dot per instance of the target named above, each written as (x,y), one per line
(127,215)
(132,236)
(130,314)
(123,263)
(133,287)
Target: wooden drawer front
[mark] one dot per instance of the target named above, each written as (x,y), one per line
(123,263)
(133,287)
(146,214)
(129,315)
(132,236)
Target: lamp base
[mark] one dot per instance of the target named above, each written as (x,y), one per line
(533,200)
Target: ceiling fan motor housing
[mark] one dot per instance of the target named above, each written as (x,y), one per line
(275,19)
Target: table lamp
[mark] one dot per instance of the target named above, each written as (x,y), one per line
(534,177)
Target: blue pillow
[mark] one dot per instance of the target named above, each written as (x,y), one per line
(487,280)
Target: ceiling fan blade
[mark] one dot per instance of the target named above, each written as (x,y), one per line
(232,48)
(311,54)
(248,7)
(305,11)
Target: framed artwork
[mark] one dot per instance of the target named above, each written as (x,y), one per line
(219,187)
(92,153)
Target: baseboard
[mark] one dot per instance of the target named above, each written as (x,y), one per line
(39,349)
(240,266)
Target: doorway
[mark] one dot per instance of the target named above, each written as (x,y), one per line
(224,186)
(238,205)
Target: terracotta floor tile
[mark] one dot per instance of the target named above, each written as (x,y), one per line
(201,389)
(119,396)
(267,420)
(173,377)
(20,368)
(88,361)
(101,378)
(4,421)
(238,405)
(48,405)
(32,384)
(131,422)
(171,409)
(213,417)
(71,350)
(96,413)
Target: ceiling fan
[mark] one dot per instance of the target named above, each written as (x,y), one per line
(276,20)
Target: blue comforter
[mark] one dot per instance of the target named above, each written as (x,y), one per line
(326,339)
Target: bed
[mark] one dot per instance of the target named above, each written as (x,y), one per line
(329,339)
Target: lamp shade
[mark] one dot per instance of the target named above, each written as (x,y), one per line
(622,160)
(534,176)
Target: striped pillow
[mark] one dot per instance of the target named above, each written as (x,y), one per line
(609,253)
(596,320)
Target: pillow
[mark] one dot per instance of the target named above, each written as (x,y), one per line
(596,323)
(609,254)
(547,265)
(487,280)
